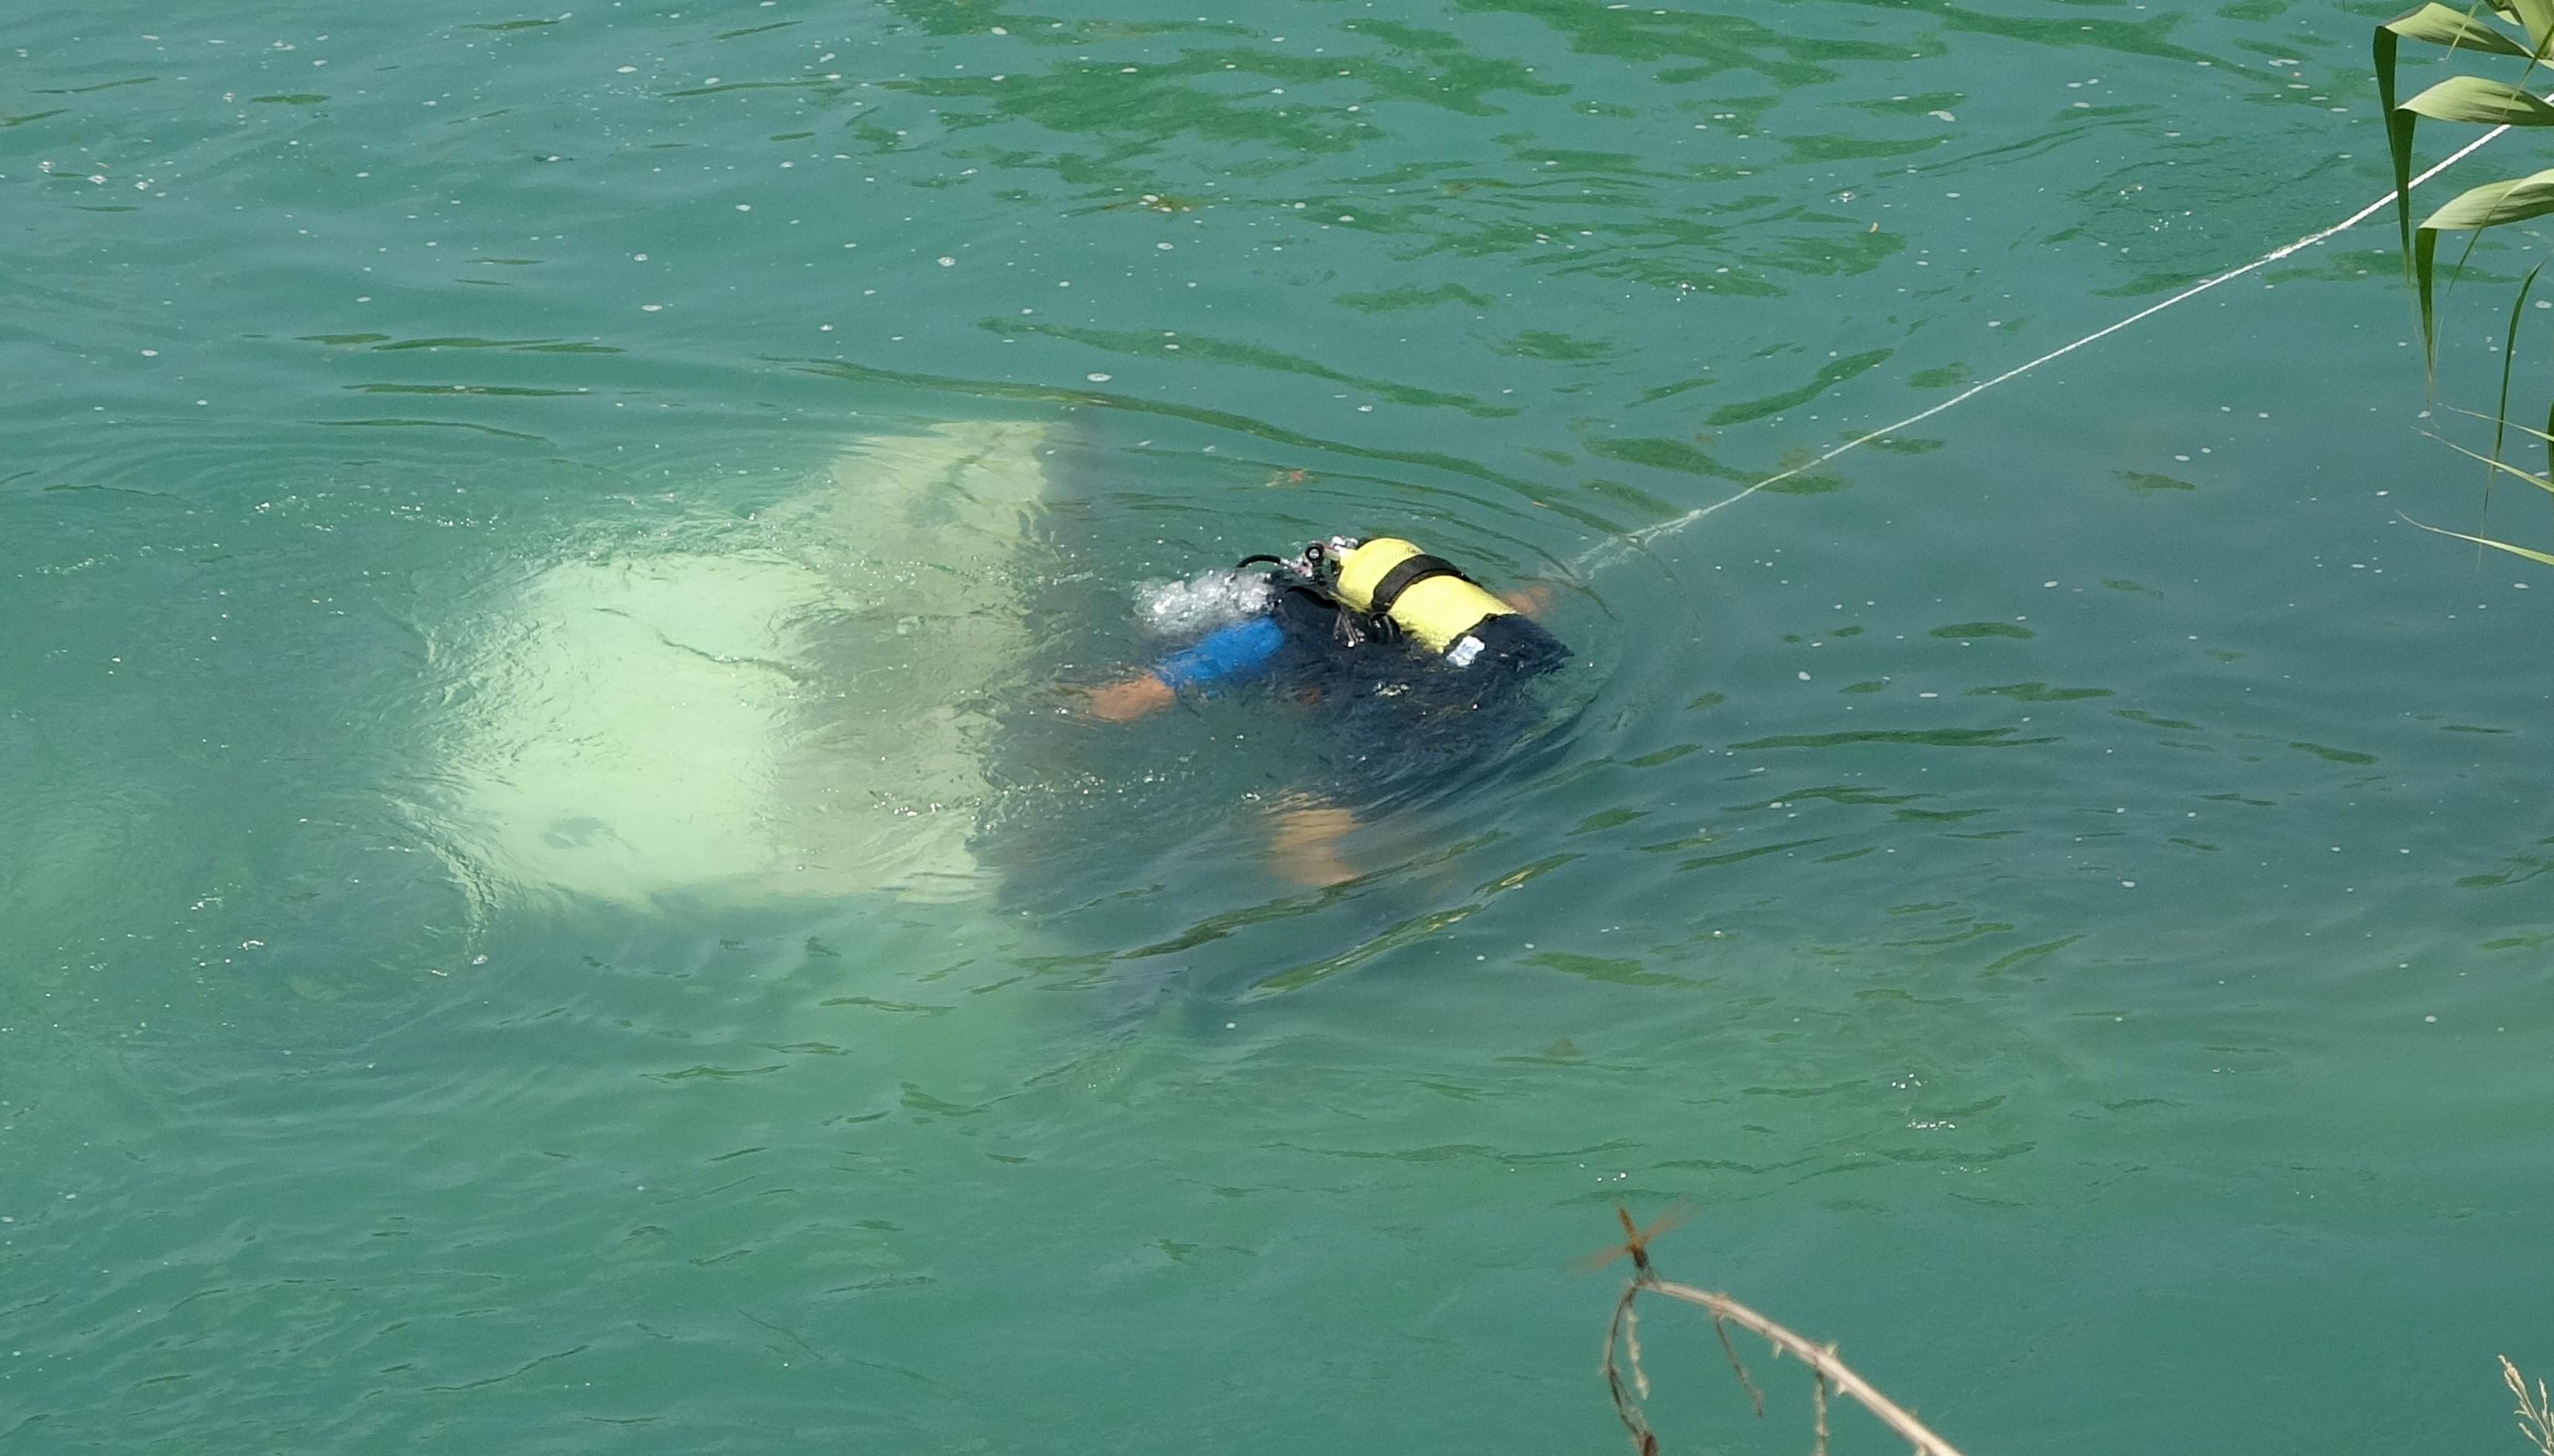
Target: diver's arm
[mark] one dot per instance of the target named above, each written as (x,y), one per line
(1530,598)
(1131,699)
(1227,655)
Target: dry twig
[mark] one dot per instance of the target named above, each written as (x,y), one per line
(1829,1372)
(1626,1408)
(2535,1420)
(1738,1366)
(2535,1411)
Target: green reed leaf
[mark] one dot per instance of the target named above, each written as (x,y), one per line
(2424,269)
(2537,556)
(2509,363)
(2511,423)
(2495,203)
(2398,130)
(2454,29)
(2439,25)
(2475,99)
(2538,481)
(2487,419)
(2537,17)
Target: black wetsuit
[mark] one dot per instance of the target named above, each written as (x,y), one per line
(1395,719)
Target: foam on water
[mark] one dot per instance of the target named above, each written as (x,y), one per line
(1202,603)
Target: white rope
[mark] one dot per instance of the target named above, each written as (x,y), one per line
(1646,534)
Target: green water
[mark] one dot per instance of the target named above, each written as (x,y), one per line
(2057,892)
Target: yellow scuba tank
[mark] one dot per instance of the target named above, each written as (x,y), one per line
(1423,594)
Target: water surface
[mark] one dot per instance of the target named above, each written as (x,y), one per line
(2055,888)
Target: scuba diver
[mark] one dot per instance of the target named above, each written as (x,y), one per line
(1420,670)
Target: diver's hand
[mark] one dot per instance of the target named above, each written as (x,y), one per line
(1530,598)
(1127,701)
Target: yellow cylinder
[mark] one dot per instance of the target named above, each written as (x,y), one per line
(1435,610)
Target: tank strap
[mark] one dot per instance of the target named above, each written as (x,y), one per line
(1405,574)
